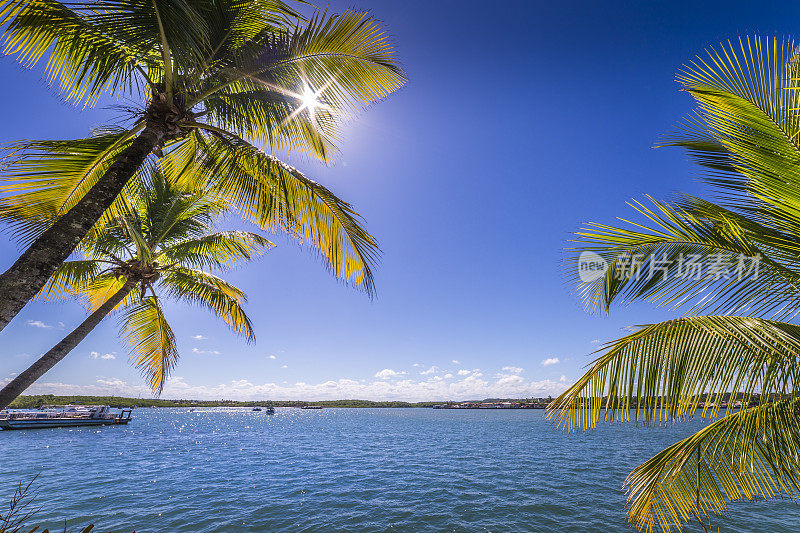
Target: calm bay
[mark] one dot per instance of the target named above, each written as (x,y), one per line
(406,470)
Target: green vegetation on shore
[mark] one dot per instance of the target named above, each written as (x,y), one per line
(27,402)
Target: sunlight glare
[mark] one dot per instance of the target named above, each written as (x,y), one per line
(309,100)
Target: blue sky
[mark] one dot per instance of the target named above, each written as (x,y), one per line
(520,121)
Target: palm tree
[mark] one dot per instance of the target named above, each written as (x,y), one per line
(737,341)
(224,83)
(161,248)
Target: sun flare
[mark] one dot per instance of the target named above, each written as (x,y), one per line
(309,100)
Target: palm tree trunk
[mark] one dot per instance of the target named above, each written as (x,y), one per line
(18,385)
(28,275)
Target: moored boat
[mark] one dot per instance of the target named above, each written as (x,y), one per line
(63,416)
(311,407)
(270,411)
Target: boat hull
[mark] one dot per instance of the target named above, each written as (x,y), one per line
(59,423)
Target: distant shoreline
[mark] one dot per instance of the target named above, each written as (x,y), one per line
(26,402)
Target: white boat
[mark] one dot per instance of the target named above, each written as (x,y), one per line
(63,416)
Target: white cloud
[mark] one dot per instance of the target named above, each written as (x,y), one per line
(513,369)
(550,361)
(510,379)
(448,376)
(630,328)
(431,370)
(417,364)
(112,382)
(204,352)
(456,362)
(285,366)
(595,341)
(406,389)
(107,356)
(39,324)
(463,372)
(387,373)
(273,357)
(199,337)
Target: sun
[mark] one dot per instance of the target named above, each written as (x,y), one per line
(309,100)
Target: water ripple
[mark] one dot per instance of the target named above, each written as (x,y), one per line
(398,470)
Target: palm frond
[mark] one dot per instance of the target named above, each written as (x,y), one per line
(278,197)
(107,241)
(213,293)
(42,180)
(220,250)
(69,279)
(145,328)
(745,129)
(274,121)
(663,371)
(745,133)
(691,253)
(232,24)
(88,52)
(256,91)
(102,287)
(752,453)
(173,213)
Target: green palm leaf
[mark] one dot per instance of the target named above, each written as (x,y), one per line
(71,277)
(278,197)
(145,328)
(157,242)
(99,290)
(213,293)
(745,129)
(663,371)
(43,180)
(256,91)
(745,134)
(272,120)
(757,271)
(221,250)
(89,51)
(752,453)
(255,72)
(235,23)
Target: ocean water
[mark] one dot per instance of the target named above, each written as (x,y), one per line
(359,470)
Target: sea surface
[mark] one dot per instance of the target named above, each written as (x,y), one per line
(359,470)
